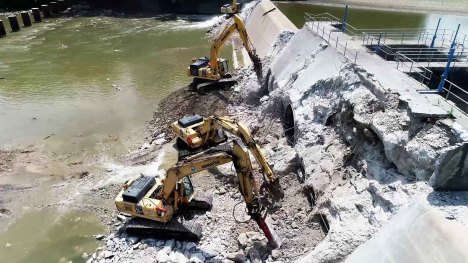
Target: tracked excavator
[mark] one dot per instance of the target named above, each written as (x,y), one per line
(211,73)
(231,9)
(196,133)
(154,202)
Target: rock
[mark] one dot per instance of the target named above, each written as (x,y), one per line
(252,235)
(162,256)
(222,191)
(110,243)
(145,146)
(236,257)
(173,257)
(121,217)
(264,98)
(170,243)
(162,135)
(210,252)
(160,243)
(100,255)
(108,254)
(133,240)
(178,245)
(8,245)
(99,237)
(452,170)
(275,254)
(197,258)
(190,246)
(242,238)
(187,254)
(159,141)
(254,256)
(85,255)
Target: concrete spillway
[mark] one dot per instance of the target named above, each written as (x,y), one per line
(317,84)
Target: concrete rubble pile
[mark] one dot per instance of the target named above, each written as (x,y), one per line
(361,152)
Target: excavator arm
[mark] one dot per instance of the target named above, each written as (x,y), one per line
(239,155)
(224,37)
(212,124)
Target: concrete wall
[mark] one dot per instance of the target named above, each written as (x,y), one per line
(265,24)
(417,234)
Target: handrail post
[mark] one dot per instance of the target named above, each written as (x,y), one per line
(402,38)
(343,28)
(450,88)
(447,68)
(435,34)
(345,48)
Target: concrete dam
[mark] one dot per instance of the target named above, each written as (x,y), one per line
(344,102)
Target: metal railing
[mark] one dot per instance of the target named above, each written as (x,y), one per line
(451,90)
(403,63)
(413,36)
(397,35)
(340,44)
(426,55)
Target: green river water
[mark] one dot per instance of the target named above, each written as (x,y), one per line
(100,77)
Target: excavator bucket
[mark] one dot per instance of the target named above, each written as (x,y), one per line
(264,222)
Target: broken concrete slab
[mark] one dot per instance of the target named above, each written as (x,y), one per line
(416,234)
(264,26)
(452,170)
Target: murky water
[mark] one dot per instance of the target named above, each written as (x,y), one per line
(44,237)
(90,81)
(375,19)
(97,75)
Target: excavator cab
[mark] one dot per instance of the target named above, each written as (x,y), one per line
(231,9)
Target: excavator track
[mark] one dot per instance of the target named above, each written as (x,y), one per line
(185,230)
(222,83)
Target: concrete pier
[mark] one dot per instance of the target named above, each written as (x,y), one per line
(54,8)
(37,15)
(2,29)
(15,27)
(46,11)
(26,18)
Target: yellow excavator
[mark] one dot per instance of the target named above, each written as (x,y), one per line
(159,200)
(231,9)
(197,132)
(209,73)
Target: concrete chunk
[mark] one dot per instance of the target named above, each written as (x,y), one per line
(452,170)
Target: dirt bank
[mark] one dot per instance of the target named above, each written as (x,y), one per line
(452,7)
